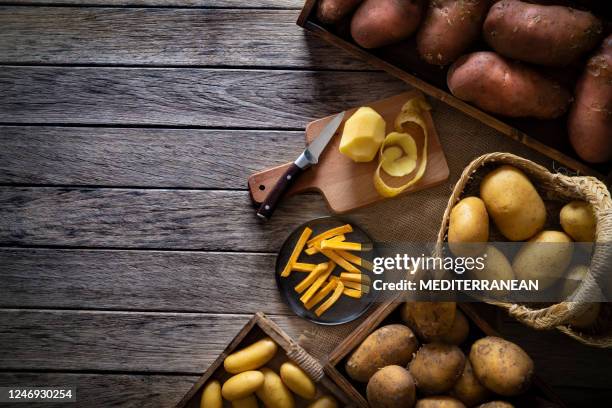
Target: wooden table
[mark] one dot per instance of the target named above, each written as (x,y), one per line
(129,252)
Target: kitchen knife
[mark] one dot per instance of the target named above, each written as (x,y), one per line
(309,157)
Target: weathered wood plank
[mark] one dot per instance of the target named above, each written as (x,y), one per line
(184,97)
(238,4)
(161,36)
(132,218)
(120,341)
(109,390)
(139,280)
(188,158)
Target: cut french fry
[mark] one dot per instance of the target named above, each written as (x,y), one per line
(329,286)
(296,251)
(344,229)
(343,263)
(354,293)
(318,282)
(317,246)
(354,259)
(345,246)
(312,276)
(352,277)
(303,267)
(353,285)
(331,300)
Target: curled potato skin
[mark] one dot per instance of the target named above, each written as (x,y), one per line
(590,120)
(449,28)
(505,87)
(540,34)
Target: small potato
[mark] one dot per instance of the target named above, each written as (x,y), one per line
(273,392)
(436,367)
(332,11)
(248,402)
(429,319)
(468,389)
(496,404)
(544,258)
(513,202)
(459,331)
(439,402)
(501,366)
(251,357)
(383,22)
(324,402)
(502,86)
(242,385)
(449,28)
(578,221)
(497,267)
(211,395)
(468,227)
(297,380)
(388,345)
(391,387)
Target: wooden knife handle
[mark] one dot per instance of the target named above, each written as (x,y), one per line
(282,185)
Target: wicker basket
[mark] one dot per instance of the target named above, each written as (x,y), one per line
(553,187)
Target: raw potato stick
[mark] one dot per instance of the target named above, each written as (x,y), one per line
(354,293)
(303,267)
(344,229)
(329,286)
(332,299)
(352,277)
(312,276)
(317,246)
(318,282)
(352,258)
(345,246)
(340,261)
(296,251)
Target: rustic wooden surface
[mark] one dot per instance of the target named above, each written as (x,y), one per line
(129,253)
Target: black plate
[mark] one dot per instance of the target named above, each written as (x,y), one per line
(346,309)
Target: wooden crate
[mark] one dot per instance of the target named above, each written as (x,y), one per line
(257,328)
(540,394)
(548,137)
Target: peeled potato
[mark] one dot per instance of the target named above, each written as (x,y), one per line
(363,134)
(578,220)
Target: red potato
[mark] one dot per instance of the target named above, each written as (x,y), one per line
(509,88)
(545,35)
(590,119)
(382,22)
(332,11)
(449,28)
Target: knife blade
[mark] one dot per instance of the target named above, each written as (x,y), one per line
(310,156)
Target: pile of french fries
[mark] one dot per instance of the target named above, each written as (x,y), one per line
(320,286)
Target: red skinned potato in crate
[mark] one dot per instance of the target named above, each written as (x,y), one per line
(382,22)
(449,28)
(590,119)
(508,88)
(332,11)
(540,34)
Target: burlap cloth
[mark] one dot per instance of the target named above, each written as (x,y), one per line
(416,217)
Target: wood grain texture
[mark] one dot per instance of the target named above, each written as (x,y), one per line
(160,36)
(188,158)
(238,4)
(121,341)
(220,98)
(132,218)
(139,280)
(109,390)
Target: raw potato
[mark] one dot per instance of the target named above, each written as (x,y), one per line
(211,395)
(508,88)
(501,366)
(497,267)
(544,258)
(590,120)
(546,35)
(332,11)
(439,402)
(362,135)
(459,331)
(468,225)
(324,402)
(252,357)
(436,367)
(297,380)
(449,28)
(382,22)
(248,402)
(578,220)
(468,389)
(391,387)
(273,392)
(429,319)
(496,404)
(513,202)
(388,345)
(242,385)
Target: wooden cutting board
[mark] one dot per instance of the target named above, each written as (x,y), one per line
(346,185)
